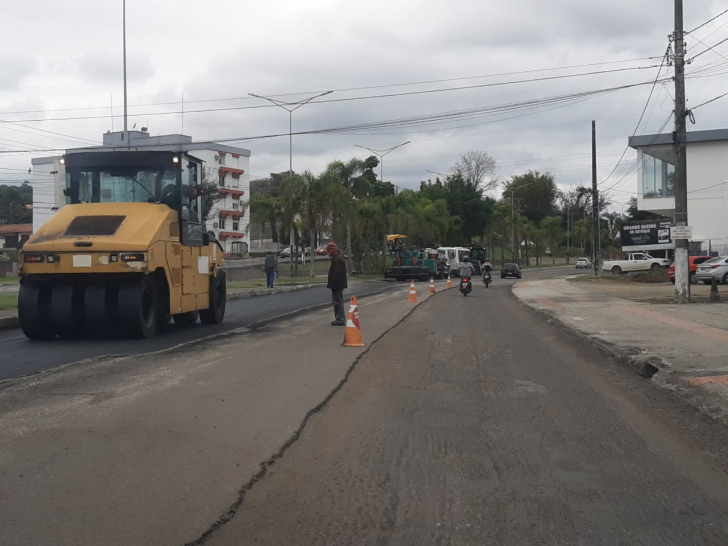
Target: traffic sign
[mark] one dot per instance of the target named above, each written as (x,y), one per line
(681,232)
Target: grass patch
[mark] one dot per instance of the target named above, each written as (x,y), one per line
(8,302)
(9,280)
(282,281)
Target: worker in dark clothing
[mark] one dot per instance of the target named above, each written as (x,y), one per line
(337,283)
(271,269)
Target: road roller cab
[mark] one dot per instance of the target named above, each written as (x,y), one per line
(127,252)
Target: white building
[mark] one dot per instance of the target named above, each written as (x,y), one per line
(707,182)
(227,166)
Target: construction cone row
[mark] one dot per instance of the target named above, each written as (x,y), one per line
(352,334)
(449,282)
(413,293)
(432,285)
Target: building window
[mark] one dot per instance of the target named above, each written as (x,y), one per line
(658,177)
(222,159)
(221,179)
(235,206)
(235,226)
(222,223)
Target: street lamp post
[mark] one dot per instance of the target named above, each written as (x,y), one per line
(446,176)
(290,107)
(380,154)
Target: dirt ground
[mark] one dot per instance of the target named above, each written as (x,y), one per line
(646,292)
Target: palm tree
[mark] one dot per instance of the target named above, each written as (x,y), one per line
(347,174)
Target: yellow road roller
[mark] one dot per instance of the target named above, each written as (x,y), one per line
(127,252)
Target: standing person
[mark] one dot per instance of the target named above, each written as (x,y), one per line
(337,283)
(271,268)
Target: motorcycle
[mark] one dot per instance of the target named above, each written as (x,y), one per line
(465,285)
(487,279)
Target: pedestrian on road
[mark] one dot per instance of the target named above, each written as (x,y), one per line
(337,283)
(271,269)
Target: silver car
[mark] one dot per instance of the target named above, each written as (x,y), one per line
(583,263)
(715,268)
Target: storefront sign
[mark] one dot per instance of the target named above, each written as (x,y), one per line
(647,235)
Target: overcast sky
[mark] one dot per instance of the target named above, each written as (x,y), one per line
(63,60)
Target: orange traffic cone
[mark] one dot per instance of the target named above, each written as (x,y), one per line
(449,282)
(352,334)
(413,293)
(432,285)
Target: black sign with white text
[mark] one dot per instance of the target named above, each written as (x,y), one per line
(647,232)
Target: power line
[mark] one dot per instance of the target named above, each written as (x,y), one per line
(361,88)
(350,99)
(649,97)
(708,21)
(710,48)
(709,101)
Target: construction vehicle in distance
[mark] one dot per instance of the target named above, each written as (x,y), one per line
(127,253)
(419,265)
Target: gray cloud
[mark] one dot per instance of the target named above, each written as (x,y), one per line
(232,48)
(14,69)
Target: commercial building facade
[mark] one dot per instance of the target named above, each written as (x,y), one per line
(707,183)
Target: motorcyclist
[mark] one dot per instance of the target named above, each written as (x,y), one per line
(466,268)
(487,269)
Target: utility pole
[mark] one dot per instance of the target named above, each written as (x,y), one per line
(682,275)
(595,204)
(291,107)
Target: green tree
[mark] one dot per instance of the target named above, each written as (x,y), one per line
(536,193)
(553,231)
(14,203)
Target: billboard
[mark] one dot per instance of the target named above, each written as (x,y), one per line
(647,235)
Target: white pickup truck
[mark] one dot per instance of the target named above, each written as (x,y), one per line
(636,261)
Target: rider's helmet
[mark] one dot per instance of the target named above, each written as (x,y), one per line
(466,258)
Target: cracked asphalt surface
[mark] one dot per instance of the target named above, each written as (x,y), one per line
(464,421)
(475,422)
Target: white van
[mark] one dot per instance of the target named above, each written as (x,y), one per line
(454,255)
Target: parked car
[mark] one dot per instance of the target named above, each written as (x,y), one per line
(715,268)
(321,251)
(636,261)
(694,262)
(285,253)
(583,263)
(510,270)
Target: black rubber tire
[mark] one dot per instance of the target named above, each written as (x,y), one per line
(616,270)
(99,309)
(184,320)
(139,308)
(34,311)
(655,267)
(67,311)
(725,278)
(693,278)
(218,300)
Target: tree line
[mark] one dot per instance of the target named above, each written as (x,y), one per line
(520,218)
